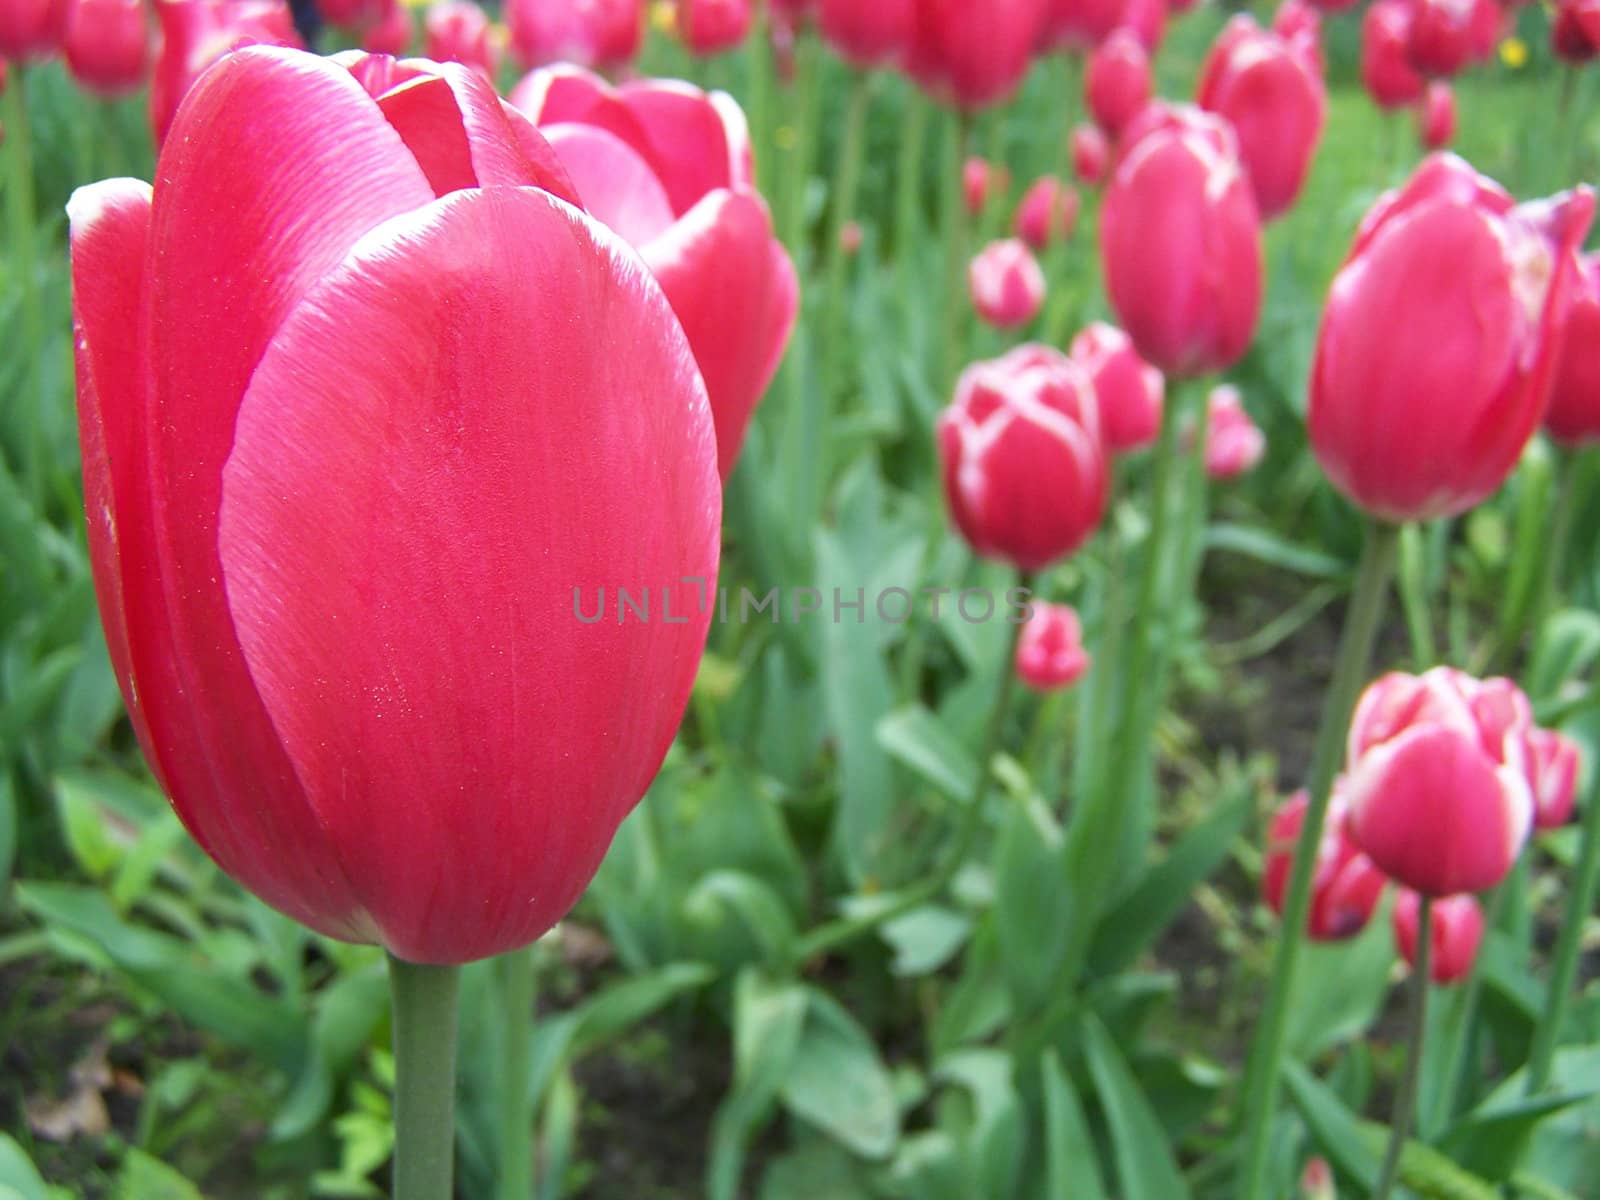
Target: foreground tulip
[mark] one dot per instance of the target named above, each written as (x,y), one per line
(868,34)
(1439,341)
(1050,653)
(602,34)
(712,26)
(1007,284)
(973,55)
(669,168)
(1456,926)
(1553,766)
(32,29)
(1346,888)
(1270,88)
(1117,85)
(459,31)
(1234,443)
(195,33)
(1574,414)
(1025,473)
(340,603)
(1436,116)
(1129,391)
(108,45)
(1049,209)
(1091,154)
(1181,242)
(1386,68)
(1438,781)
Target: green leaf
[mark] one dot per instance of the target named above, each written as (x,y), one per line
(993,1140)
(768,1018)
(8,828)
(1323,1017)
(816,1171)
(1567,646)
(919,741)
(1491,1142)
(1267,547)
(838,1082)
(1033,913)
(760,909)
(1146,1169)
(1070,1155)
(146,1178)
(1336,1130)
(1564,1148)
(19,1178)
(925,939)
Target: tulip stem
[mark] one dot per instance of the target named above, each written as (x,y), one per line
(425,1078)
(20,214)
(908,186)
(516,1101)
(1349,673)
(1412,578)
(1569,945)
(955,249)
(1405,1100)
(759,88)
(841,213)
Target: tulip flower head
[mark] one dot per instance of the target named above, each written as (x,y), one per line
(601,34)
(1117,85)
(195,33)
(850,238)
(712,26)
(1346,886)
(352,14)
(1234,443)
(868,34)
(1081,25)
(1316,1181)
(1007,284)
(340,603)
(108,45)
(1439,341)
(1049,209)
(1573,418)
(1575,31)
(1456,925)
(1436,116)
(459,31)
(1554,763)
(1091,154)
(982,183)
(1445,35)
(1298,20)
(1129,390)
(391,34)
(1050,653)
(1025,472)
(669,168)
(1386,69)
(973,55)
(32,29)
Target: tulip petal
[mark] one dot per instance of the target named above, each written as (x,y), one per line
(697,144)
(614,182)
(403,546)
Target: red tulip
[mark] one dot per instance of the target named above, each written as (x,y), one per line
(1553,767)
(108,45)
(1446,35)
(1025,473)
(1455,929)
(1049,207)
(868,33)
(1575,32)
(195,33)
(981,183)
(341,603)
(1129,391)
(1007,284)
(1271,90)
(1083,24)
(1436,116)
(353,14)
(1091,154)
(1050,653)
(603,34)
(392,33)
(459,31)
(1440,339)
(32,29)
(1297,19)
(1386,68)
(712,26)
(1438,783)
(973,55)
(1117,85)
(1234,443)
(1181,242)
(1574,414)
(1345,888)
(669,168)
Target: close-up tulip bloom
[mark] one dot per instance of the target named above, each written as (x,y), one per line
(1445,35)
(195,33)
(1573,417)
(1234,442)
(1456,925)
(1025,471)
(1347,886)
(601,34)
(973,55)
(1049,209)
(1006,283)
(1436,116)
(1270,89)
(1439,341)
(1438,780)
(869,34)
(340,602)
(1129,390)
(460,31)
(108,45)
(1117,84)
(712,26)
(1050,653)
(1386,70)
(669,168)
(32,29)
(1091,154)
(1554,763)
(1180,239)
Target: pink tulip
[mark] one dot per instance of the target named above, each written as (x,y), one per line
(391,34)
(1345,888)
(195,33)
(1436,116)
(669,168)
(1573,417)
(981,183)
(1298,19)
(603,34)
(1050,653)
(868,33)
(1117,85)
(1440,339)
(1438,779)
(1049,208)
(1181,242)
(1025,472)
(1553,766)
(1575,31)
(340,602)
(1081,25)
(973,55)
(1007,284)
(352,14)
(850,238)
(1234,443)
(1271,89)
(1446,35)
(712,26)
(1456,929)
(32,29)
(459,31)
(1316,1181)
(1091,155)
(1129,391)
(108,45)
(1386,68)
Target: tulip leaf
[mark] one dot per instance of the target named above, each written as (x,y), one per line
(1267,547)
(146,1178)
(19,1178)
(756,905)
(1070,1155)
(1034,914)
(1492,1141)
(1146,1169)
(768,1019)
(925,939)
(838,1081)
(1323,1017)
(916,739)
(992,1139)
(1336,1130)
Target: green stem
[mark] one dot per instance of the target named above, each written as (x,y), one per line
(908,187)
(1349,673)
(425,1078)
(516,1100)
(956,301)
(1569,945)
(1566,507)
(759,61)
(21,217)
(841,214)
(836,933)
(1405,1100)
(1413,581)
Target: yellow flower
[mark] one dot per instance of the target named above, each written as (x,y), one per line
(1514,53)
(664,17)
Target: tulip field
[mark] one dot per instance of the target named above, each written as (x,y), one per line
(799,600)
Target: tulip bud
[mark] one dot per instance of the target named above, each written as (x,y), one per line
(850,238)
(601,34)
(1048,207)
(391,34)
(1091,154)
(108,45)
(1025,472)
(1234,443)
(1456,926)
(1181,242)
(459,31)
(1438,779)
(1447,34)
(195,33)
(973,55)
(1117,85)
(1298,20)
(1386,68)
(1129,390)
(32,29)
(1573,417)
(1050,653)
(1436,116)
(1345,887)
(868,34)
(1007,284)
(981,183)
(712,26)
(1444,324)
(1271,90)
(1553,766)
(1316,1181)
